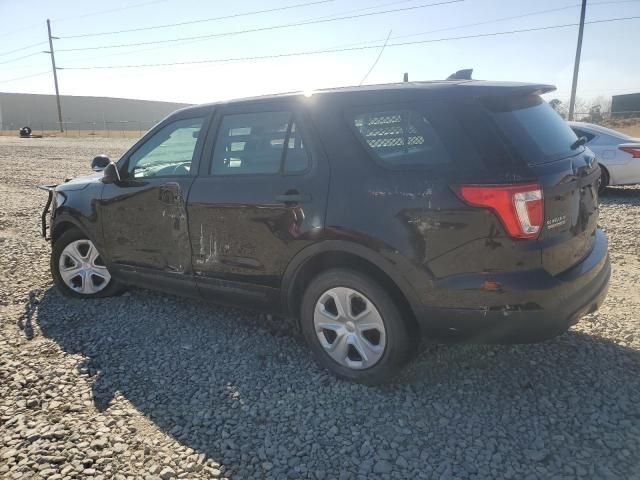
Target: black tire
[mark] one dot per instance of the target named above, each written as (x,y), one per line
(400,344)
(112,288)
(604,179)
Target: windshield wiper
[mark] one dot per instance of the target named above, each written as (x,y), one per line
(579,142)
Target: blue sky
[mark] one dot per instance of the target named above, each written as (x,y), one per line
(609,56)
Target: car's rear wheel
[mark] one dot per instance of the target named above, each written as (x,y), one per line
(78,269)
(604,179)
(354,327)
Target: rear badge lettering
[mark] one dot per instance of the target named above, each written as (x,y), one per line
(556,222)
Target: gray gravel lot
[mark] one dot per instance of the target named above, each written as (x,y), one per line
(149,385)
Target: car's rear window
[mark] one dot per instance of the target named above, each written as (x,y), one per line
(533,128)
(449,136)
(400,137)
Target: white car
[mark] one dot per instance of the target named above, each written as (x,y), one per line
(617,153)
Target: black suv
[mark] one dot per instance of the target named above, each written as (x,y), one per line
(456,209)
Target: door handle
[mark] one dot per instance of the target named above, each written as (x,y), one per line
(294,197)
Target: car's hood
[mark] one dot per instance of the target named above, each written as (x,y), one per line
(78,183)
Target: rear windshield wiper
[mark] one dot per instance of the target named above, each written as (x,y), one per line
(579,142)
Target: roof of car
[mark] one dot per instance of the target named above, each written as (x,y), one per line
(479,87)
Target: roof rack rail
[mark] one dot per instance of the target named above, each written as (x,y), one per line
(461,74)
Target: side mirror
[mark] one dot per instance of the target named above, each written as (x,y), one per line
(99,163)
(110,174)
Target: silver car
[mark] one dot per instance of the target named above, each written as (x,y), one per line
(618,154)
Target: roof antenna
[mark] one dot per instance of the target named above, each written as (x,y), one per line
(405,78)
(461,74)
(377,58)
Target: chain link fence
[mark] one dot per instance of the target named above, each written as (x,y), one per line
(108,129)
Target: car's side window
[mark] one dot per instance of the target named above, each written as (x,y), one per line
(400,137)
(169,152)
(582,133)
(254,143)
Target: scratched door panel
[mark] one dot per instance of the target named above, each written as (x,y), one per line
(245,228)
(146,225)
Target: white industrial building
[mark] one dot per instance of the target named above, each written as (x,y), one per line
(80,113)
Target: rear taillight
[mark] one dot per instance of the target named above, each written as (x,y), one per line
(519,207)
(634,151)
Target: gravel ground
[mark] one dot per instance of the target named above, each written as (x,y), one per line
(148,385)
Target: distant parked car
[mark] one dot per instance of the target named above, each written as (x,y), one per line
(371,215)
(618,154)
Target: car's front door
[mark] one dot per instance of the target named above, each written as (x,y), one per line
(144,217)
(259,199)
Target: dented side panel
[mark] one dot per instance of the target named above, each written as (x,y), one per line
(244,228)
(146,225)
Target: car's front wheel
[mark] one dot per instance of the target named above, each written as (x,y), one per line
(354,327)
(78,268)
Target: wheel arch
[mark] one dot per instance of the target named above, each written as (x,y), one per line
(607,171)
(65,223)
(342,254)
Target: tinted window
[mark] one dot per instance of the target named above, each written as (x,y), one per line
(400,137)
(168,152)
(472,138)
(253,143)
(296,157)
(535,130)
(582,133)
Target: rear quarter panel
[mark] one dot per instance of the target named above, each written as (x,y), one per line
(412,218)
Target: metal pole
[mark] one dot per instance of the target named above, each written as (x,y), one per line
(55,74)
(576,65)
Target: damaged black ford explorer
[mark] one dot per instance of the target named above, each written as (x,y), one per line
(374,216)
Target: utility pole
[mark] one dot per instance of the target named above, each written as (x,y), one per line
(576,65)
(55,73)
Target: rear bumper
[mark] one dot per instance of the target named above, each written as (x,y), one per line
(625,174)
(533,306)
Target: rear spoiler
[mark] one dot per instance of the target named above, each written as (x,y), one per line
(518,90)
(501,89)
(535,89)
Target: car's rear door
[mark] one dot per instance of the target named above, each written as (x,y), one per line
(259,199)
(144,217)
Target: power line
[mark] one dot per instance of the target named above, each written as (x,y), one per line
(350,49)
(372,7)
(12,32)
(514,17)
(64,19)
(23,77)
(261,29)
(20,58)
(113,10)
(191,22)
(186,42)
(457,27)
(21,48)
